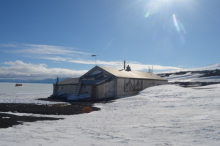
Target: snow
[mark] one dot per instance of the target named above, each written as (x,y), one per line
(27,93)
(160,115)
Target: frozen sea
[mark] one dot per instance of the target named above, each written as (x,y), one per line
(27,93)
(158,116)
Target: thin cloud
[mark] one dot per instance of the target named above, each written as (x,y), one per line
(83,61)
(41,49)
(98,62)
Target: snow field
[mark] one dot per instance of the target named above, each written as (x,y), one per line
(158,116)
(27,93)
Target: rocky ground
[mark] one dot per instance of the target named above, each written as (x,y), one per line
(8,120)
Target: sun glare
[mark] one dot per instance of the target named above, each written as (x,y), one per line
(160,9)
(166,0)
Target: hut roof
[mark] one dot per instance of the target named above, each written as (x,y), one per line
(114,72)
(131,74)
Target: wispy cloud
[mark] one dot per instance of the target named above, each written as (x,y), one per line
(83,61)
(22,70)
(70,55)
(41,49)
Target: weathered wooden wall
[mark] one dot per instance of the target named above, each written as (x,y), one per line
(129,87)
(86,90)
(105,90)
(118,87)
(66,89)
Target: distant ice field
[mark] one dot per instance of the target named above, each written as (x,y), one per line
(27,93)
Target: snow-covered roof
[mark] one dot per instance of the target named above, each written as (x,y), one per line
(131,74)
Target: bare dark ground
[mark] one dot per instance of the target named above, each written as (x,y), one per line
(69,108)
(51,109)
(8,120)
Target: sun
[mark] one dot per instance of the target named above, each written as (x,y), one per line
(154,6)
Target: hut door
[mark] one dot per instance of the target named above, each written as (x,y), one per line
(93,91)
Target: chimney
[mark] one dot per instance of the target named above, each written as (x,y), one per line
(128,68)
(124,64)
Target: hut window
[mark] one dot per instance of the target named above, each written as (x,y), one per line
(96,72)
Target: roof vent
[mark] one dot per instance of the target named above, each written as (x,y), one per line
(128,68)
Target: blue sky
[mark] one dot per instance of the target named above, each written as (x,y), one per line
(54,38)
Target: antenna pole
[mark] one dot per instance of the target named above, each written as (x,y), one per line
(95,58)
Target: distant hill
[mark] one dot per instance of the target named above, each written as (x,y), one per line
(193,76)
(204,75)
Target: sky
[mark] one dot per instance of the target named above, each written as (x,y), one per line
(43,39)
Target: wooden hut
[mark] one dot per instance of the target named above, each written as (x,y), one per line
(106,82)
